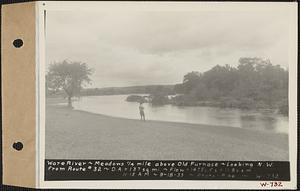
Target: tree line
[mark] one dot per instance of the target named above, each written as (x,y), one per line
(255,83)
(146,89)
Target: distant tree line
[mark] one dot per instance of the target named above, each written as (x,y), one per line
(146,89)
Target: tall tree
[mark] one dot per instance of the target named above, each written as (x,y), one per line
(69,77)
(190,81)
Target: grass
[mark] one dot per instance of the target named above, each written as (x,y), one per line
(72,134)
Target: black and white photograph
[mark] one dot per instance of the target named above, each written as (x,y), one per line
(167,85)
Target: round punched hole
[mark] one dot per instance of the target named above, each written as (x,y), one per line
(18,146)
(18,43)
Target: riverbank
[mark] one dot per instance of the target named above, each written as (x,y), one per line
(72,134)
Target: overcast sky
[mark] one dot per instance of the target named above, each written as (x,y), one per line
(139,48)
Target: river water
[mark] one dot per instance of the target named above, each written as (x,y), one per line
(115,105)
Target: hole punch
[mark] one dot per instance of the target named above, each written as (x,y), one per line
(18,146)
(18,43)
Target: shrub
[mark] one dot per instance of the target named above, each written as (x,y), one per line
(159,100)
(135,98)
(284,107)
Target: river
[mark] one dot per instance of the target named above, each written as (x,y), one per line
(115,105)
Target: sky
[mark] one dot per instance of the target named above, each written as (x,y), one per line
(143,48)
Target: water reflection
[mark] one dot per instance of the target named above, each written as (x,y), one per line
(117,106)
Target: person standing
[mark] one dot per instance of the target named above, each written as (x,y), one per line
(142,113)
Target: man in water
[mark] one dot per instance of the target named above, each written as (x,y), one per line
(142,111)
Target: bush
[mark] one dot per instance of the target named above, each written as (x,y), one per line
(135,98)
(159,100)
(246,103)
(284,107)
(183,100)
(229,102)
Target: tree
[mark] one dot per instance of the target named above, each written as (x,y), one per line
(69,77)
(220,80)
(254,83)
(262,81)
(190,81)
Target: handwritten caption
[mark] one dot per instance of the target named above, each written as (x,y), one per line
(274,184)
(189,170)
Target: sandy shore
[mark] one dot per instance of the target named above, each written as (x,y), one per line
(72,134)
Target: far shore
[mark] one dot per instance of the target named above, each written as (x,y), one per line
(72,134)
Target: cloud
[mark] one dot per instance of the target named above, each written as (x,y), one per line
(135,48)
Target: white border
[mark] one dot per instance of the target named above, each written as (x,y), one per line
(40,68)
(289,7)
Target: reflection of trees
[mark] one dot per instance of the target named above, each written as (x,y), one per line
(248,121)
(269,122)
(258,122)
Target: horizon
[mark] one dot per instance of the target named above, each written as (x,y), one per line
(171,84)
(159,47)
